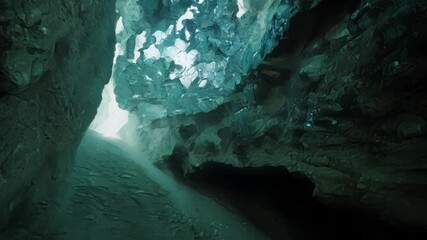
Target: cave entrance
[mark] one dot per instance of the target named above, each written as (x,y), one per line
(281,204)
(110,118)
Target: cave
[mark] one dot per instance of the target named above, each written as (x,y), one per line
(272,198)
(213,119)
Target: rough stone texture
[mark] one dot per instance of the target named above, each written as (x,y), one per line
(114,196)
(347,108)
(203,49)
(55,57)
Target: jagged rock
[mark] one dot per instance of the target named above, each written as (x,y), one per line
(205,47)
(412,126)
(324,105)
(18,65)
(55,58)
(341,116)
(314,69)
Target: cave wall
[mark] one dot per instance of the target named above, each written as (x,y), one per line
(341,100)
(55,58)
(186,57)
(227,47)
(357,111)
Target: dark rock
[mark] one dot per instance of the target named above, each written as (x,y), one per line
(412,126)
(313,69)
(350,114)
(342,104)
(53,67)
(322,139)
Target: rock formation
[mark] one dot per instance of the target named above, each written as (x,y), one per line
(341,100)
(332,90)
(55,58)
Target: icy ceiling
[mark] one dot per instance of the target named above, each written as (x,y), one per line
(187,56)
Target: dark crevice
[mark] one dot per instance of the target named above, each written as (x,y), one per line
(306,26)
(281,204)
(62,51)
(2,93)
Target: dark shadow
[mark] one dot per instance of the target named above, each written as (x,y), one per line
(306,26)
(62,51)
(281,205)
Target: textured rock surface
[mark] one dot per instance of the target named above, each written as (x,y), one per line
(341,100)
(113,196)
(186,57)
(55,57)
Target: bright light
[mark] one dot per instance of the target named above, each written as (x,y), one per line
(160,36)
(119,26)
(187,15)
(170,30)
(185,59)
(181,44)
(242,8)
(187,35)
(189,76)
(110,118)
(203,83)
(152,52)
(139,43)
(119,51)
